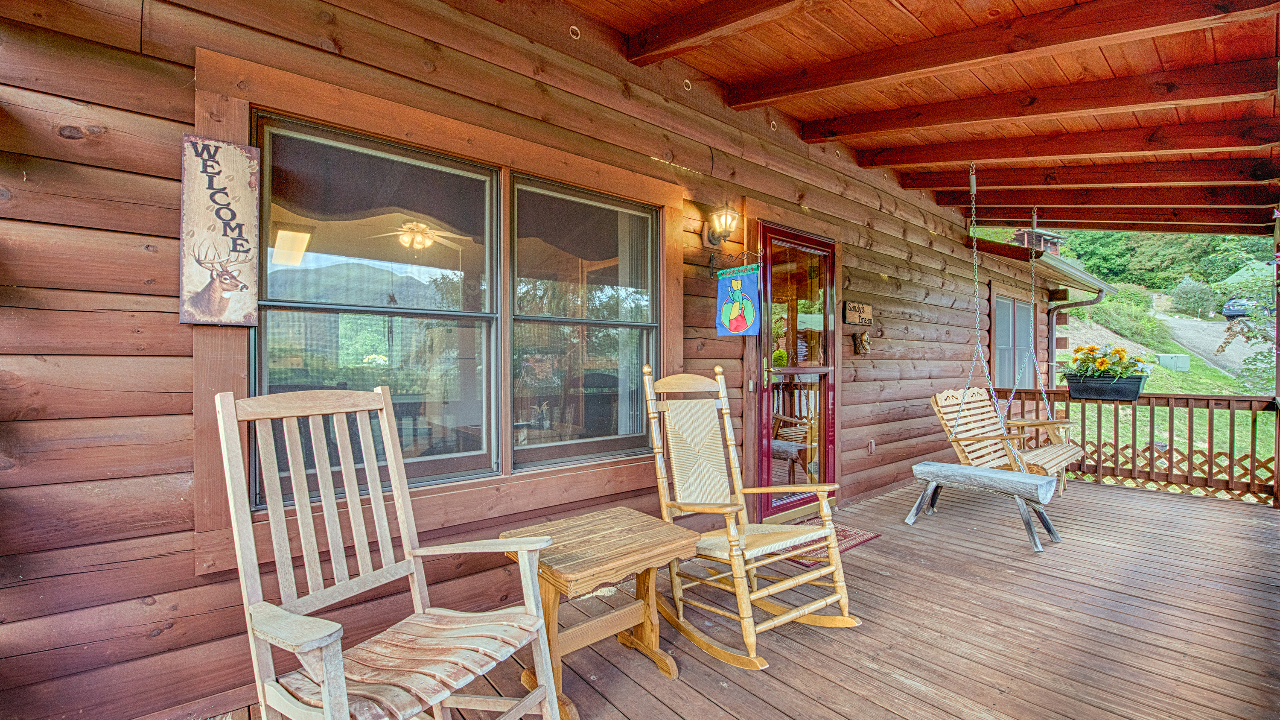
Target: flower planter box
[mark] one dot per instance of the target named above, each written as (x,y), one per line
(1105,387)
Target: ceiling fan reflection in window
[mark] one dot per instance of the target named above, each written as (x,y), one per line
(414,235)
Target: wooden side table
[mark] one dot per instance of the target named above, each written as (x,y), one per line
(602,548)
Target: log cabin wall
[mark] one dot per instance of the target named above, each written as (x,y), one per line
(101,604)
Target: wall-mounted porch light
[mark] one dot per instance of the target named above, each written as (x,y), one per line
(720,226)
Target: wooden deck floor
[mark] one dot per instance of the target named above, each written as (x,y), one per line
(1154,606)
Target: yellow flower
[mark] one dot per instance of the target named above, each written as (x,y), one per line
(1075,358)
(1079,349)
(1121,353)
(1139,359)
(1102,363)
(1092,349)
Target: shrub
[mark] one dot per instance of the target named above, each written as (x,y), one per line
(1195,298)
(1132,322)
(1258,376)
(1130,294)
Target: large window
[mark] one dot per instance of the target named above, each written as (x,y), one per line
(381,269)
(378,272)
(1013,358)
(584,322)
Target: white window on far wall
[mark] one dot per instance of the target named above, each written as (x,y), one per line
(1011,335)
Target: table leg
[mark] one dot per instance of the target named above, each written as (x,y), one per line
(644,637)
(551,613)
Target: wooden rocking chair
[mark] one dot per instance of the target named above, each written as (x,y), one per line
(979,441)
(793,441)
(417,664)
(701,446)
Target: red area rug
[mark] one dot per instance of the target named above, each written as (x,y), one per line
(849,537)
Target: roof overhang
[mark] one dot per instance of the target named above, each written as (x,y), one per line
(1048,265)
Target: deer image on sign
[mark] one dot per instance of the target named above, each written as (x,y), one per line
(219,232)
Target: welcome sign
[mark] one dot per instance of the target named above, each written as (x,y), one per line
(219,279)
(738,301)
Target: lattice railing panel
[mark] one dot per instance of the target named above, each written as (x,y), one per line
(1163,442)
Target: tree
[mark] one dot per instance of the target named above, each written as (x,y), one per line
(1104,254)
(1219,266)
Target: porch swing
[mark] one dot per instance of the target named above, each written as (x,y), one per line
(977,425)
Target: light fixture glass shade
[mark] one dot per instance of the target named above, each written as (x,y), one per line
(416,236)
(724,221)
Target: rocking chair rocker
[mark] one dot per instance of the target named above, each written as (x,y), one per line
(701,446)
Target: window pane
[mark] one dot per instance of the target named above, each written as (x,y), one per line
(374,225)
(434,367)
(582,256)
(798,295)
(1002,329)
(1022,341)
(576,382)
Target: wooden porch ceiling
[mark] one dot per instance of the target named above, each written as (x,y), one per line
(1040,94)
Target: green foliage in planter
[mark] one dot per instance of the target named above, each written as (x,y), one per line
(1105,361)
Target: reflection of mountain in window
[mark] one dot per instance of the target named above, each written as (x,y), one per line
(372,251)
(342,210)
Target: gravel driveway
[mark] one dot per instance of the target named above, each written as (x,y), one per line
(1202,337)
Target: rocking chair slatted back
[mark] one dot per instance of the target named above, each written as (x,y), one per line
(278,420)
(978,420)
(699,435)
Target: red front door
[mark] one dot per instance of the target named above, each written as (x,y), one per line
(798,351)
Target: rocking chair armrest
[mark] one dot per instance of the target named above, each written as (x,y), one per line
(1037,423)
(708,508)
(501,545)
(293,632)
(814,487)
(970,438)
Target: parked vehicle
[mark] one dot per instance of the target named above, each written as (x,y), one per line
(1238,308)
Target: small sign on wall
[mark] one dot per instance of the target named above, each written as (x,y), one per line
(738,301)
(856,313)
(219,278)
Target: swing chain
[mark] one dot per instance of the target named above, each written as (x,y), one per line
(978,354)
(1049,352)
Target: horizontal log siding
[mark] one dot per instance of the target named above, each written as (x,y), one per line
(100,607)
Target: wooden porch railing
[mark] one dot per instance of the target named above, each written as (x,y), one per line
(1218,445)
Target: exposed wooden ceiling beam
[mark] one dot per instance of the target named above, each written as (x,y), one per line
(1139,227)
(1246,80)
(1166,139)
(704,24)
(1189,172)
(1238,196)
(1179,216)
(1062,30)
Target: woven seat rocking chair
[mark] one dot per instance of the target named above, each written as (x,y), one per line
(697,437)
